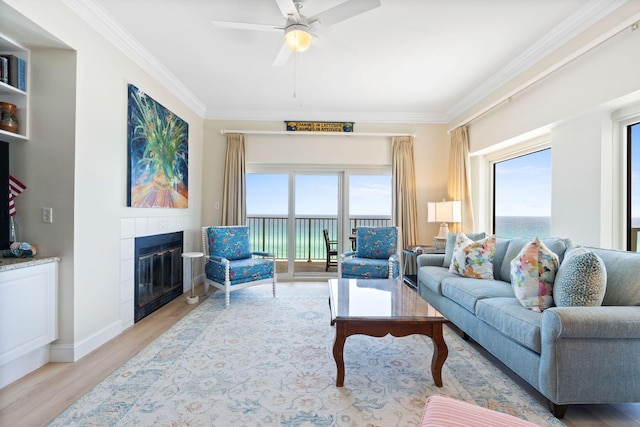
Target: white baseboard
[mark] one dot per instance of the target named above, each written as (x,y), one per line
(23,365)
(74,352)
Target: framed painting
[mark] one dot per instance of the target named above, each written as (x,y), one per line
(158,167)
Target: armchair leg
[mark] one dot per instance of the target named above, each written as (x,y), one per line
(226,298)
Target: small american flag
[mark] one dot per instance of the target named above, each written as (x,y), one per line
(15,189)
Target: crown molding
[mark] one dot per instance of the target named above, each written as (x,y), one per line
(360,117)
(94,15)
(573,25)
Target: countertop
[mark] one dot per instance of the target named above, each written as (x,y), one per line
(7,264)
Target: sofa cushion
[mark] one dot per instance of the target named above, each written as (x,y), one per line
(368,268)
(623,276)
(230,242)
(432,277)
(473,259)
(557,245)
(376,242)
(581,279)
(467,291)
(502,245)
(533,272)
(240,271)
(509,317)
(451,244)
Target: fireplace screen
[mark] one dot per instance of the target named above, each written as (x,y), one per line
(158,272)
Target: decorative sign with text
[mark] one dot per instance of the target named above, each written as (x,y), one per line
(319,126)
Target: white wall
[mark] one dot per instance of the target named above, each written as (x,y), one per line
(431,152)
(574,104)
(94,172)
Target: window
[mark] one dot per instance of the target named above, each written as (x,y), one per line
(633,186)
(369,200)
(522,195)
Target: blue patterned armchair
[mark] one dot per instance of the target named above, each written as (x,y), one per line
(230,263)
(376,255)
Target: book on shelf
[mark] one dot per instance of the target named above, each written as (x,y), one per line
(4,70)
(17,72)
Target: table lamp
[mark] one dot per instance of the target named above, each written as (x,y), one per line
(443,212)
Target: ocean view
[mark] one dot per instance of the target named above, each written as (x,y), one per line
(269,233)
(523,226)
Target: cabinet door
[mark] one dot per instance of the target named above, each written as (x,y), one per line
(28,310)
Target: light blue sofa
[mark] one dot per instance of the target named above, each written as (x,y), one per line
(571,355)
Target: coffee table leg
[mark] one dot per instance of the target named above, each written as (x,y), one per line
(338,355)
(440,353)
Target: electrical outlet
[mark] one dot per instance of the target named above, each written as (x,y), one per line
(47,215)
(216,205)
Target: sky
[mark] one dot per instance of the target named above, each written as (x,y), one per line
(635,174)
(523,185)
(317,194)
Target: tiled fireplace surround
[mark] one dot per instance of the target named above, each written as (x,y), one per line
(130,228)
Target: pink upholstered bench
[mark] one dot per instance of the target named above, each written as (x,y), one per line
(441,411)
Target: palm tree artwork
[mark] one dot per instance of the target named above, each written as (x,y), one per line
(158,154)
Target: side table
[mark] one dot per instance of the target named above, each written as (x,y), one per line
(193,299)
(410,258)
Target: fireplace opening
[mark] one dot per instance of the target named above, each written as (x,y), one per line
(158,272)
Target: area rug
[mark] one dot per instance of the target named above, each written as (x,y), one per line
(268,361)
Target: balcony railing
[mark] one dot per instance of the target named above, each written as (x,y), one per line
(269,234)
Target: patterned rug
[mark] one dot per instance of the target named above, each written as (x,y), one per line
(268,361)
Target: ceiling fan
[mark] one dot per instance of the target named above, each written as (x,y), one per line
(299,30)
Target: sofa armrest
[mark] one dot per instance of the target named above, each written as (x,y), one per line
(348,254)
(263,254)
(607,322)
(433,260)
(217,259)
(590,354)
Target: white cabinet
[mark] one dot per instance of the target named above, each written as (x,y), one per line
(13,95)
(28,316)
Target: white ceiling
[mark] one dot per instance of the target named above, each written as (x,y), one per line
(417,61)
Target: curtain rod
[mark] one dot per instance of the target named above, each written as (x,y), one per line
(284,132)
(631,23)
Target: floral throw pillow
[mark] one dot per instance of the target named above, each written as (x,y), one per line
(533,272)
(473,259)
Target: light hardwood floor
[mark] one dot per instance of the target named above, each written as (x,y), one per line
(42,395)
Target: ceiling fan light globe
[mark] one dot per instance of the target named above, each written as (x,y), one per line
(297,37)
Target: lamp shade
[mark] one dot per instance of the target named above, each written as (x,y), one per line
(297,37)
(450,211)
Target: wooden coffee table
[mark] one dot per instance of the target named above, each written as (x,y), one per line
(377,307)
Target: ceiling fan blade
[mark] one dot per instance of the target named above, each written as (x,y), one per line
(330,44)
(246,26)
(283,56)
(287,7)
(344,11)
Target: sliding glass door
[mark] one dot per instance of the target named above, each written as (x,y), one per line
(267,215)
(317,207)
(288,211)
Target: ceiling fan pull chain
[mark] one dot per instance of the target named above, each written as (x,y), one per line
(295,80)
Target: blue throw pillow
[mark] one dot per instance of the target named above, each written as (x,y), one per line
(581,280)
